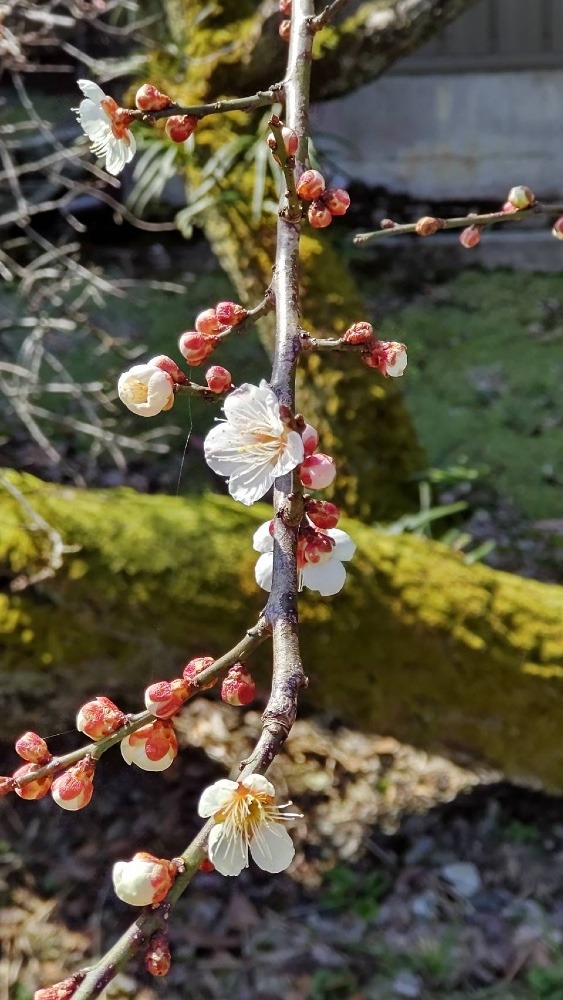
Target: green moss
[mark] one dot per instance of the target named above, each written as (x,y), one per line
(455,658)
(484,380)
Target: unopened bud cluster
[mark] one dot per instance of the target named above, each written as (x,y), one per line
(388,356)
(325,202)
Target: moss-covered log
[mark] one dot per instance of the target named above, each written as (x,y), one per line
(454,658)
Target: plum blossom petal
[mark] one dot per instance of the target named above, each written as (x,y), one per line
(246,818)
(146,390)
(106,125)
(252,446)
(326,577)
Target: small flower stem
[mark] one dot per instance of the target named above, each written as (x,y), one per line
(253,638)
(293,210)
(328,13)
(460,222)
(308,343)
(261,99)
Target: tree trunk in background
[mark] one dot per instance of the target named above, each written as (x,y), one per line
(460,660)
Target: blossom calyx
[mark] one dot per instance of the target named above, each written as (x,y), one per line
(195,347)
(7,784)
(74,789)
(165,698)
(238,687)
(317,472)
(35,789)
(194,668)
(149,98)
(146,390)
(143,881)
(32,747)
(180,127)
(322,513)
(310,439)
(152,748)
(99,718)
(166,364)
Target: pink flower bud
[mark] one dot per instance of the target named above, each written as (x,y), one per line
(358,333)
(521,196)
(285,30)
(427,226)
(196,347)
(32,747)
(310,185)
(32,789)
(157,955)
(319,215)
(290,140)
(317,471)
(557,230)
(337,201)
(152,748)
(61,991)
(148,98)
(310,439)
(285,7)
(508,207)
(208,322)
(228,314)
(169,366)
(180,127)
(317,547)
(165,698)
(238,687)
(99,718)
(143,881)
(73,789)
(322,513)
(193,669)
(218,378)
(388,356)
(387,224)
(470,237)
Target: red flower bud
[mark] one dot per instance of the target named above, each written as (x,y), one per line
(192,670)
(285,30)
(180,127)
(285,7)
(99,718)
(387,224)
(317,471)
(7,784)
(165,698)
(196,347)
(427,226)
(358,333)
(207,866)
(310,185)
(61,991)
(32,747)
(169,366)
(337,201)
(238,687)
(148,98)
(228,314)
(470,237)
(318,215)
(218,378)
(74,789)
(557,229)
(32,789)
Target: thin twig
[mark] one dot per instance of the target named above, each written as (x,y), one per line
(460,222)
(328,14)
(259,100)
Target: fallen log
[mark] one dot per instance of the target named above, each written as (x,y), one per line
(461,660)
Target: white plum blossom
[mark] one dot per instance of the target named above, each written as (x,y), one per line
(327,576)
(246,819)
(253,446)
(146,390)
(107,126)
(396,359)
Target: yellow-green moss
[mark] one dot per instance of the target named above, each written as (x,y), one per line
(455,658)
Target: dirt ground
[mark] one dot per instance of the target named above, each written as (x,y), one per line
(413,877)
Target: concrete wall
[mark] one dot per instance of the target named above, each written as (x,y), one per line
(445,136)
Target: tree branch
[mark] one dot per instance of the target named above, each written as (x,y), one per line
(459,222)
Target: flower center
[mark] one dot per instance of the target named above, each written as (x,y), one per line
(136,391)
